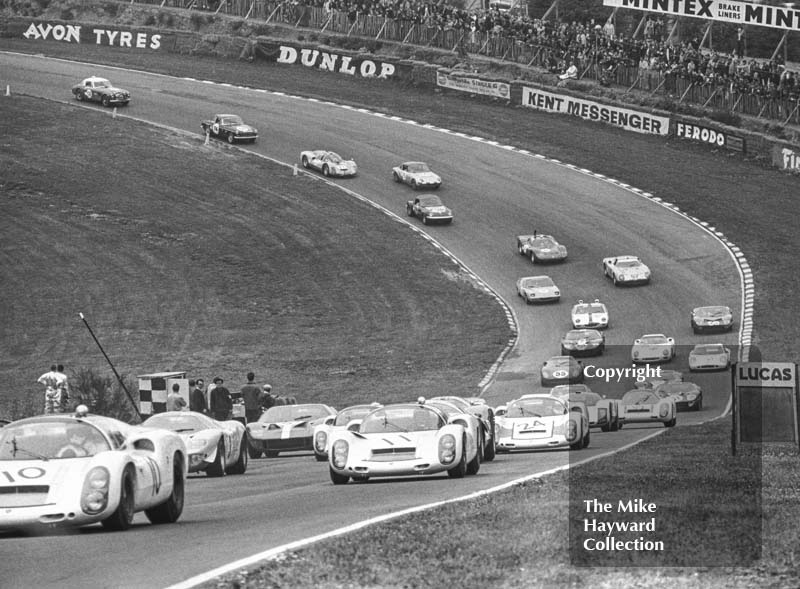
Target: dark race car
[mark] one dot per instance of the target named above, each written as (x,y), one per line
(229,128)
(100,90)
(429,209)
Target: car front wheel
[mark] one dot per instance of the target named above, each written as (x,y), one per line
(122,518)
(305,162)
(338,479)
(217,469)
(105,101)
(230,138)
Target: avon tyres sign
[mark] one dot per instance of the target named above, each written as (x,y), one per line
(91,35)
(630,120)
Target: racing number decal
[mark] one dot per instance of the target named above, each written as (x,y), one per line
(215,128)
(89,93)
(155,473)
(28,473)
(560,373)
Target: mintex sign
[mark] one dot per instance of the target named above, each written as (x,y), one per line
(630,120)
(765,403)
(709,136)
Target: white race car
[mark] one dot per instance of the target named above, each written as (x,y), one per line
(71,470)
(709,357)
(542,421)
(538,289)
(647,406)
(653,347)
(626,270)
(603,412)
(216,447)
(477,406)
(590,315)
(404,439)
(348,418)
(328,162)
(416,175)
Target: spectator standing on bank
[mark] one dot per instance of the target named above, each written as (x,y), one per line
(252,395)
(51,394)
(174,400)
(267,400)
(221,401)
(63,388)
(197,398)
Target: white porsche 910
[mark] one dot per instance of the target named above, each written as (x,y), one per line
(329,163)
(592,315)
(348,418)
(538,289)
(709,357)
(71,470)
(542,421)
(417,175)
(404,439)
(647,406)
(603,412)
(653,347)
(216,447)
(625,270)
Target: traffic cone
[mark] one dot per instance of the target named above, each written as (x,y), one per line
(114,113)
(8,90)
(294,170)
(206,141)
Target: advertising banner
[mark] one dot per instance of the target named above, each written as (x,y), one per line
(709,136)
(331,61)
(92,35)
(765,402)
(630,120)
(786,16)
(473,85)
(786,158)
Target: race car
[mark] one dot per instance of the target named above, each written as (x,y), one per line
(583,342)
(229,128)
(215,447)
(541,248)
(286,428)
(70,470)
(429,209)
(542,421)
(417,175)
(485,416)
(538,289)
(590,315)
(561,370)
(100,90)
(687,395)
(348,418)
(714,318)
(603,412)
(403,439)
(709,357)
(647,406)
(661,376)
(653,347)
(626,270)
(328,162)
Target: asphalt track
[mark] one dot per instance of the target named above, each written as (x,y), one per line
(495,193)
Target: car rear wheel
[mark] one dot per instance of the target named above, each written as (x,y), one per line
(122,518)
(490,450)
(169,511)
(395,177)
(106,101)
(217,468)
(326,171)
(338,479)
(253,452)
(474,465)
(230,138)
(587,439)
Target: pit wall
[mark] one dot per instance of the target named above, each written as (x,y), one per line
(562,99)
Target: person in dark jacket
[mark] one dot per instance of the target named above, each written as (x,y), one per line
(197,399)
(221,401)
(252,396)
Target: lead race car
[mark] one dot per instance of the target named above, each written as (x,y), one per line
(348,418)
(329,163)
(71,470)
(417,175)
(94,89)
(590,315)
(216,447)
(230,128)
(626,270)
(403,439)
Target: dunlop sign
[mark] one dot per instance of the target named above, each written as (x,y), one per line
(765,403)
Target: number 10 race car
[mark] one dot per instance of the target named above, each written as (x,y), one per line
(72,470)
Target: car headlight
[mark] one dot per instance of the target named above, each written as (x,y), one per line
(557,293)
(665,353)
(636,353)
(196,444)
(94,495)
(339,453)
(320,440)
(447,449)
(691,396)
(622,277)
(663,411)
(572,430)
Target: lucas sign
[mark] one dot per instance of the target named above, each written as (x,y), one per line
(765,402)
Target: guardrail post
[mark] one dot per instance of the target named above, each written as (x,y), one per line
(383,26)
(408,34)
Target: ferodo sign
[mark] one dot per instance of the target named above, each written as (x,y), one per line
(75,34)
(710,136)
(343,64)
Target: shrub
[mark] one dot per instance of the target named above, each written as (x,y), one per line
(166,19)
(726,118)
(67,14)
(103,395)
